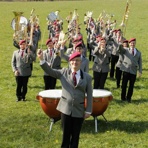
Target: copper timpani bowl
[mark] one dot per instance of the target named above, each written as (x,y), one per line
(49,100)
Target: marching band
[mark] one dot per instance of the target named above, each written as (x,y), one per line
(109,50)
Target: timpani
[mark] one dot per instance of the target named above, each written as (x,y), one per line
(49,100)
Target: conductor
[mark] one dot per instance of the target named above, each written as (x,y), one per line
(76,84)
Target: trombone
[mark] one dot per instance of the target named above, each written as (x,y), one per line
(125,17)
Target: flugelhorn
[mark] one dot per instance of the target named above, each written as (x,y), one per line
(125,17)
(19,25)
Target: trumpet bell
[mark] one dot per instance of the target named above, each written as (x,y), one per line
(22,23)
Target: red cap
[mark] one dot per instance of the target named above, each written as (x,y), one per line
(77,39)
(49,40)
(118,30)
(125,41)
(132,39)
(74,55)
(102,38)
(114,31)
(54,23)
(98,36)
(79,44)
(22,41)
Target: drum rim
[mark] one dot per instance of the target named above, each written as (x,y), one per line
(59,92)
(56,91)
(102,96)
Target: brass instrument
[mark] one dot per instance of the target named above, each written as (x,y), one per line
(125,17)
(19,25)
(32,24)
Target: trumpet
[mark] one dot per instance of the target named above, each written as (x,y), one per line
(125,17)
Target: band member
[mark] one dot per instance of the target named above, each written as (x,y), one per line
(131,63)
(101,64)
(118,39)
(75,84)
(21,60)
(84,61)
(51,56)
(118,65)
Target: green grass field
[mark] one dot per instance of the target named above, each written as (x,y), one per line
(25,125)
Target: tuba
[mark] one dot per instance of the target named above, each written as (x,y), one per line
(19,25)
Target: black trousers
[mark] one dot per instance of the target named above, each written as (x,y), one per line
(71,127)
(90,49)
(99,79)
(131,78)
(21,88)
(118,76)
(50,82)
(114,60)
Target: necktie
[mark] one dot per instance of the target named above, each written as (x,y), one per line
(50,52)
(133,51)
(74,78)
(22,53)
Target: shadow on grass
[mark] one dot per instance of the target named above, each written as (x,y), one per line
(139,101)
(116,125)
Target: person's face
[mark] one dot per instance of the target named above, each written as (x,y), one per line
(119,33)
(103,43)
(23,46)
(50,45)
(132,44)
(75,63)
(125,44)
(79,49)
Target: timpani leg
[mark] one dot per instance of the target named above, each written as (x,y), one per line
(51,123)
(104,118)
(96,124)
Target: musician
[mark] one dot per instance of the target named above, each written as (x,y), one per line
(119,63)
(101,64)
(84,61)
(71,104)
(91,37)
(20,63)
(51,56)
(117,39)
(74,42)
(131,63)
(36,36)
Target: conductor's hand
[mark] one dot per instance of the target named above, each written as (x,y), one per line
(139,74)
(86,115)
(40,54)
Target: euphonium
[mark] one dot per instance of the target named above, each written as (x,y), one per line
(19,25)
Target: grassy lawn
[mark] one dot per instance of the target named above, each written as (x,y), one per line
(25,125)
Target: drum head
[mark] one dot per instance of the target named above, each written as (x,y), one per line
(51,94)
(97,93)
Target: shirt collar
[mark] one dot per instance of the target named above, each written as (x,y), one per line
(78,72)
